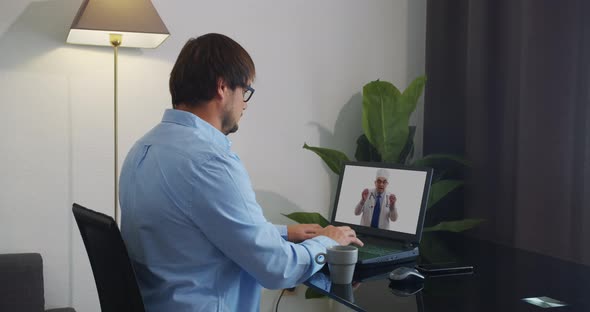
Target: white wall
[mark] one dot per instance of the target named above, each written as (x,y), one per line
(312,59)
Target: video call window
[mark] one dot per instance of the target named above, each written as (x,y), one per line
(397,192)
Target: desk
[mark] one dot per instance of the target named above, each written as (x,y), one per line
(502,277)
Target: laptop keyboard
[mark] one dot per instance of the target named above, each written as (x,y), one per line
(371,251)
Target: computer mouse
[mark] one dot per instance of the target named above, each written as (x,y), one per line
(405,273)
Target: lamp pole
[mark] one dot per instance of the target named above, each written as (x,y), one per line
(116,40)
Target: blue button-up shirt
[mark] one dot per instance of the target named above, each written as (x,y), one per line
(194,232)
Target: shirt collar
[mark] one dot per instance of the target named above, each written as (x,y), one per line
(191,120)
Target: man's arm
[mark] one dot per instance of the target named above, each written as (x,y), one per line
(297,233)
(234,223)
(359,207)
(392,208)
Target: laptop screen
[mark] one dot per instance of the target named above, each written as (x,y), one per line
(380,199)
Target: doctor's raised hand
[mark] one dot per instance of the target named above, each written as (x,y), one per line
(393,215)
(392,200)
(364,195)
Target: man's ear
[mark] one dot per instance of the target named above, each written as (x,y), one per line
(221,88)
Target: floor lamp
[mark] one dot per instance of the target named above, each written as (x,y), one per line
(118,23)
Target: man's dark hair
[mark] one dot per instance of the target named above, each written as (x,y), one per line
(202,62)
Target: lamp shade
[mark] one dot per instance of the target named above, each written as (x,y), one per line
(137,21)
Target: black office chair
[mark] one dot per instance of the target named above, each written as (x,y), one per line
(112,269)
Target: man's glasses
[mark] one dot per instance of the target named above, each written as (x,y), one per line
(248,91)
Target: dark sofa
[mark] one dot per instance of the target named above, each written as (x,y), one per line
(21,284)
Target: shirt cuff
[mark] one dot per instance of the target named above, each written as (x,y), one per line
(282,230)
(317,246)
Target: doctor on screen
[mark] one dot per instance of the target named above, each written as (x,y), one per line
(377,206)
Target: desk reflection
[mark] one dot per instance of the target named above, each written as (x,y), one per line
(502,278)
(390,296)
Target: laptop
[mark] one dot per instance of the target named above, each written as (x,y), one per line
(392,232)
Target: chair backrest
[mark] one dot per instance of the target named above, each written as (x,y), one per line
(112,269)
(21,282)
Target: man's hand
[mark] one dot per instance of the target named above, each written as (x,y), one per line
(299,232)
(392,210)
(365,194)
(392,200)
(344,235)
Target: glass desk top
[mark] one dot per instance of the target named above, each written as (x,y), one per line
(501,279)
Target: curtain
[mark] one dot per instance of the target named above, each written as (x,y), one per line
(508,88)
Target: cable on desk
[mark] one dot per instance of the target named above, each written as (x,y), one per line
(279,300)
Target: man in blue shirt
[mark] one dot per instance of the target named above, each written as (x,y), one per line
(196,235)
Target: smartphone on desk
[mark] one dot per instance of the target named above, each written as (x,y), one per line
(447,268)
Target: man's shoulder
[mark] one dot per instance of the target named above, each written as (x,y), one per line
(183,142)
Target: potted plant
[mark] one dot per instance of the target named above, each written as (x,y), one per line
(388,137)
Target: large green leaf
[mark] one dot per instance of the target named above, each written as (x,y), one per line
(440,189)
(332,158)
(408,149)
(409,99)
(384,123)
(454,226)
(365,151)
(308,218)
(386,115)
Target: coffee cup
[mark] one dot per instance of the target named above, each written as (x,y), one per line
(341,263)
